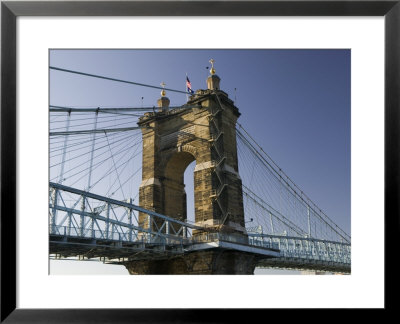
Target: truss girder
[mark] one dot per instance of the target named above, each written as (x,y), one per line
(305,249)
(110,236)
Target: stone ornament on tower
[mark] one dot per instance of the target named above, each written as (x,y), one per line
(213,80)
(163,93)
(163,102)
(212,71)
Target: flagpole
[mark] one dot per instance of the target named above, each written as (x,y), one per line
(187,96)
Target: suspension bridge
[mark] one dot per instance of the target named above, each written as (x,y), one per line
(99,189)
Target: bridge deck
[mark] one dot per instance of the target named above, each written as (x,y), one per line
(111,231)
(113,250)
(117,252)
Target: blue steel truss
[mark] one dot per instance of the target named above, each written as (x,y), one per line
(110,230)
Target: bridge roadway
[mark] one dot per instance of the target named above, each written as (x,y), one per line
(119,241)
(272,251)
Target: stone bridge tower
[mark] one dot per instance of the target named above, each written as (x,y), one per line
(172,139)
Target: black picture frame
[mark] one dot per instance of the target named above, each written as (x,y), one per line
(10,10)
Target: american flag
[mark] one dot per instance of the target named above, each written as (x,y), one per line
(188,86)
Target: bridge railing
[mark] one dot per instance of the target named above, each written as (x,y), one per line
(117,237)
(155,238)
(305,248)
(88,215)
(289,247)
(103,218)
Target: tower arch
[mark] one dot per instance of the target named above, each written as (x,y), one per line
(174,193)
(205,133)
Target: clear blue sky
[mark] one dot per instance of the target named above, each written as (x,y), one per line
(295,103)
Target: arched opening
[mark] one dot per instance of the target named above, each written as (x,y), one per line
(189,188)
(175,197)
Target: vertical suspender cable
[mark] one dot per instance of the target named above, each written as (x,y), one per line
(83,206)
(60,179)
(92,152)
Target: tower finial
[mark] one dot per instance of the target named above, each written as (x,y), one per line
(213,79)
(163,93)
(212,70)
(163,102)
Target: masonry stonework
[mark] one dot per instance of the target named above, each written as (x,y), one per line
(172,139)
(204,262)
